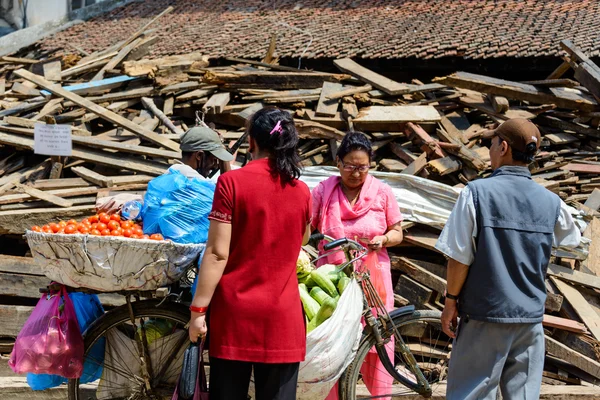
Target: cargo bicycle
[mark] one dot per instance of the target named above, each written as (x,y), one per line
(145,338)
(420,349)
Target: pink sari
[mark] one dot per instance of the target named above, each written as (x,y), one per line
(373,213)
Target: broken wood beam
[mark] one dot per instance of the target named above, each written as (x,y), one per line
(149,104)
(93,177)
(271,79)
(96,109)
(38,194)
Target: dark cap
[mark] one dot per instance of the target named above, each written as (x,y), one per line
(201,138)
(518,132)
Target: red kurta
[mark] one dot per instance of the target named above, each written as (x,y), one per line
(256,314)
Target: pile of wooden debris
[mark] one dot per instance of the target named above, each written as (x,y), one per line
(127,114)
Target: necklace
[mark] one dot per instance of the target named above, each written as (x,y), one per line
(346,191)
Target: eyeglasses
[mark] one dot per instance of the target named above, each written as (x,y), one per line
(351,168)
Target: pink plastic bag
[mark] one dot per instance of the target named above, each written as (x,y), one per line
(50,342)
(371,262)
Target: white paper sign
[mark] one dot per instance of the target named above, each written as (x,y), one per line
(52,140)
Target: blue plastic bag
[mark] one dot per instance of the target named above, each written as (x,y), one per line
(177,207)
(88,309)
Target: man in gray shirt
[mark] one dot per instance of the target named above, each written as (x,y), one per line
(498,240)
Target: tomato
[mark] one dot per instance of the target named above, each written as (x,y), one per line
(86,222)
(145,237)
(117,232)
(156,236)
(72,222)
(101,226)
(83,228)
(47,229)
(127,224)
(62,224)
(105,232)
(36,228)
(115,217)
(95,232)
(61,231)
(94,219)
(70,229)
(104,218)
(138,230)
(112,225)
(128,232)
(94,226)
(54,227)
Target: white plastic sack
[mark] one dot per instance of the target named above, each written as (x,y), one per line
(110,264)
(122,354)
(332,346)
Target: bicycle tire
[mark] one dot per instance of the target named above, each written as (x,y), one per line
(349,380)
(141,309)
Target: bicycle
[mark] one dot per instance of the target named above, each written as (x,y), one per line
(421,350)
(150,331)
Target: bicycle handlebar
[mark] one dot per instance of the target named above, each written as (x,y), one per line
(335,243)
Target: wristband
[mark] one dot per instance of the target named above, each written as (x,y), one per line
(451,296)
(198,309)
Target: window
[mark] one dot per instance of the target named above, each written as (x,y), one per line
(77,4)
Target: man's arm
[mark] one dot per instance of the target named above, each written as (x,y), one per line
(456,277)
(566,233)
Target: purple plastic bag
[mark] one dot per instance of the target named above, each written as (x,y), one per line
(50,342)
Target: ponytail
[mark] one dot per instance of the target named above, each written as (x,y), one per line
(274,132)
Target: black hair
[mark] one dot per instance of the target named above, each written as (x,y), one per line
(353,141)
(186,155)
(281,145)
(526,156)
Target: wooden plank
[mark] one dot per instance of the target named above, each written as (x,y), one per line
(374,79)
(561,138)
(415,167)
(593,201)
(217,103)
(24,107)
(515,90)
(96,109)
(582,362)
(12,319)
(116,60)
(72,192)
(117,161)
(2,86)
(77,201)
(402,152)
(271,80)
(64,183)
(93,177)
(444,166)
(500,103)
(194,94)
(428,145)
(392,165)
(553,302)
(583,344)
(564,324)
(311,129)
(38,194)
(577,277)
(25,90)
(336,121)
(96,87)
(52,71)
(168,106)
(349,92)
(263,64)
(328,107)
(52,107)
(383,118)
(560,70)
(582,168)
(420,274)
(587,314)
(104,144)
(413,291)
(300,93)
(422,238)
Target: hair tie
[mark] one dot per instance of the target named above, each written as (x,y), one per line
(278,128)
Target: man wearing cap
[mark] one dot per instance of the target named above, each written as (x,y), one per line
(498,241)
(201,153)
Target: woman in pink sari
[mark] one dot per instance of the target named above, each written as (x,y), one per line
(360,207)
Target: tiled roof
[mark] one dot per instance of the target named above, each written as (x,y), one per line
(349,28)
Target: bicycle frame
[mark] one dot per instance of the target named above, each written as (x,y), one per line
(378,322)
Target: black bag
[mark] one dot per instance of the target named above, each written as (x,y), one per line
(189,372)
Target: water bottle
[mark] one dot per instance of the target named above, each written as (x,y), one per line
(132,210)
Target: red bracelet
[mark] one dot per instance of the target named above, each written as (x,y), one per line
(198,309)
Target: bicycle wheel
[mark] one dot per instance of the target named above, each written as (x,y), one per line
(422,332)
(122,377)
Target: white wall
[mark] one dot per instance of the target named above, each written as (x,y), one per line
(38,11)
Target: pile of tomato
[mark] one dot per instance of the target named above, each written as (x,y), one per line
(99,225)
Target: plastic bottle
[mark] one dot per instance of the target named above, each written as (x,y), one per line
(132,210)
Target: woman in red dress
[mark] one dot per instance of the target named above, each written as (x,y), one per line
(260,219)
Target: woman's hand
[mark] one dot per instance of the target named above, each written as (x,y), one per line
(197,326)
(378,242)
